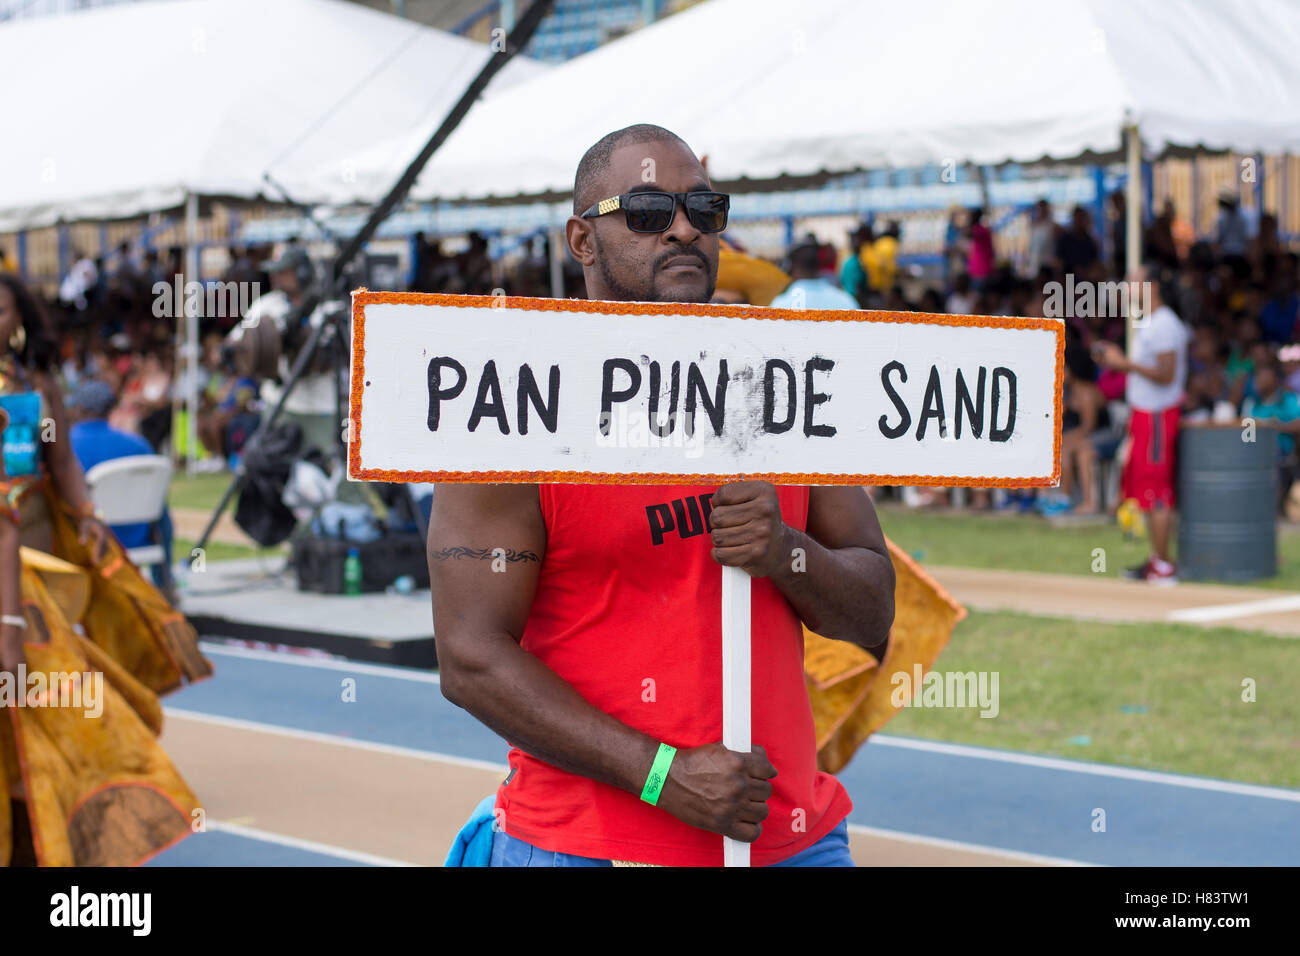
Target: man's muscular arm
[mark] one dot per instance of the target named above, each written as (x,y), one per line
(479,616)
(842,586)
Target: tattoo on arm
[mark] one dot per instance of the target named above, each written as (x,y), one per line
(483,554)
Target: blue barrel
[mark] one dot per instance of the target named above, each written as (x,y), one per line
(1227,503)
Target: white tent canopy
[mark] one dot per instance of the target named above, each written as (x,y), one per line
(769,88)
(128,108)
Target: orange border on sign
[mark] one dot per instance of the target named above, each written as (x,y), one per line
(363,297)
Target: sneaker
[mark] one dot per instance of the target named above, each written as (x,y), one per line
(1162,573)
(1165,576)
(1138,573)
(1050,505)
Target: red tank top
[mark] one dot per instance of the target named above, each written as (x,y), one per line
(628,611)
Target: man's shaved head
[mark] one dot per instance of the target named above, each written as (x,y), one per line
(595,161)
(679,264)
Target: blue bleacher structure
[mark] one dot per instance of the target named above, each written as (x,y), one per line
(574,27)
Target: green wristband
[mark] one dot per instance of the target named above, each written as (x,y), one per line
(658,774)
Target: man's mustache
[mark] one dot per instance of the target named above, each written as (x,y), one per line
(679,253)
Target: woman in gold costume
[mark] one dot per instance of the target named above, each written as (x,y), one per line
(86,642)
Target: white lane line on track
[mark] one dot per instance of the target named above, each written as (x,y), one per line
(311,846)
(322,663)
(1096,769)
(929,746)
(1225,612)
(294,734)
(940,843)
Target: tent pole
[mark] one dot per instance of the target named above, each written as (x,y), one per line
(1133,221)
(191,331)
(516,41)
(1283,208)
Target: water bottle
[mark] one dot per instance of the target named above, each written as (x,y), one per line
(352,572)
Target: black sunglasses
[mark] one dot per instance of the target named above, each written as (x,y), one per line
(654,211)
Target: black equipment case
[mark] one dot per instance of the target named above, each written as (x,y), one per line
(318,561)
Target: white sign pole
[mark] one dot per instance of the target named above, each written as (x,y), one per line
(735,683)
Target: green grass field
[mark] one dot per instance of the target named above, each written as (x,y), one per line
(1029,543)
(1157,696)
(201,492)
(220,551)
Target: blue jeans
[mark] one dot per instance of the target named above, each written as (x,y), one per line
(830,850)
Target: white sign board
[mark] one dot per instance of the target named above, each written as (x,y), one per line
(460,388)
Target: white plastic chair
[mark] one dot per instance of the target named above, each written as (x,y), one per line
(133,490)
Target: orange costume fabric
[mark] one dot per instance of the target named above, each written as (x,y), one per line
(98,790)
(127,616)
(756,279)
(849,689)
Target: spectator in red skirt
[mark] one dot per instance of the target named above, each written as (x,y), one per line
(1156,376)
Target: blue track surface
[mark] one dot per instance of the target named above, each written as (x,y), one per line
(961,797)
(227,849)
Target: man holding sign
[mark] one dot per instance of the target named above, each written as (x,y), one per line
(581,622)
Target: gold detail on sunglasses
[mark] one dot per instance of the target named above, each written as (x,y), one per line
(606,205)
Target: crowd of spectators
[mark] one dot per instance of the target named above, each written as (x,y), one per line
(1236,294)
(115,325)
